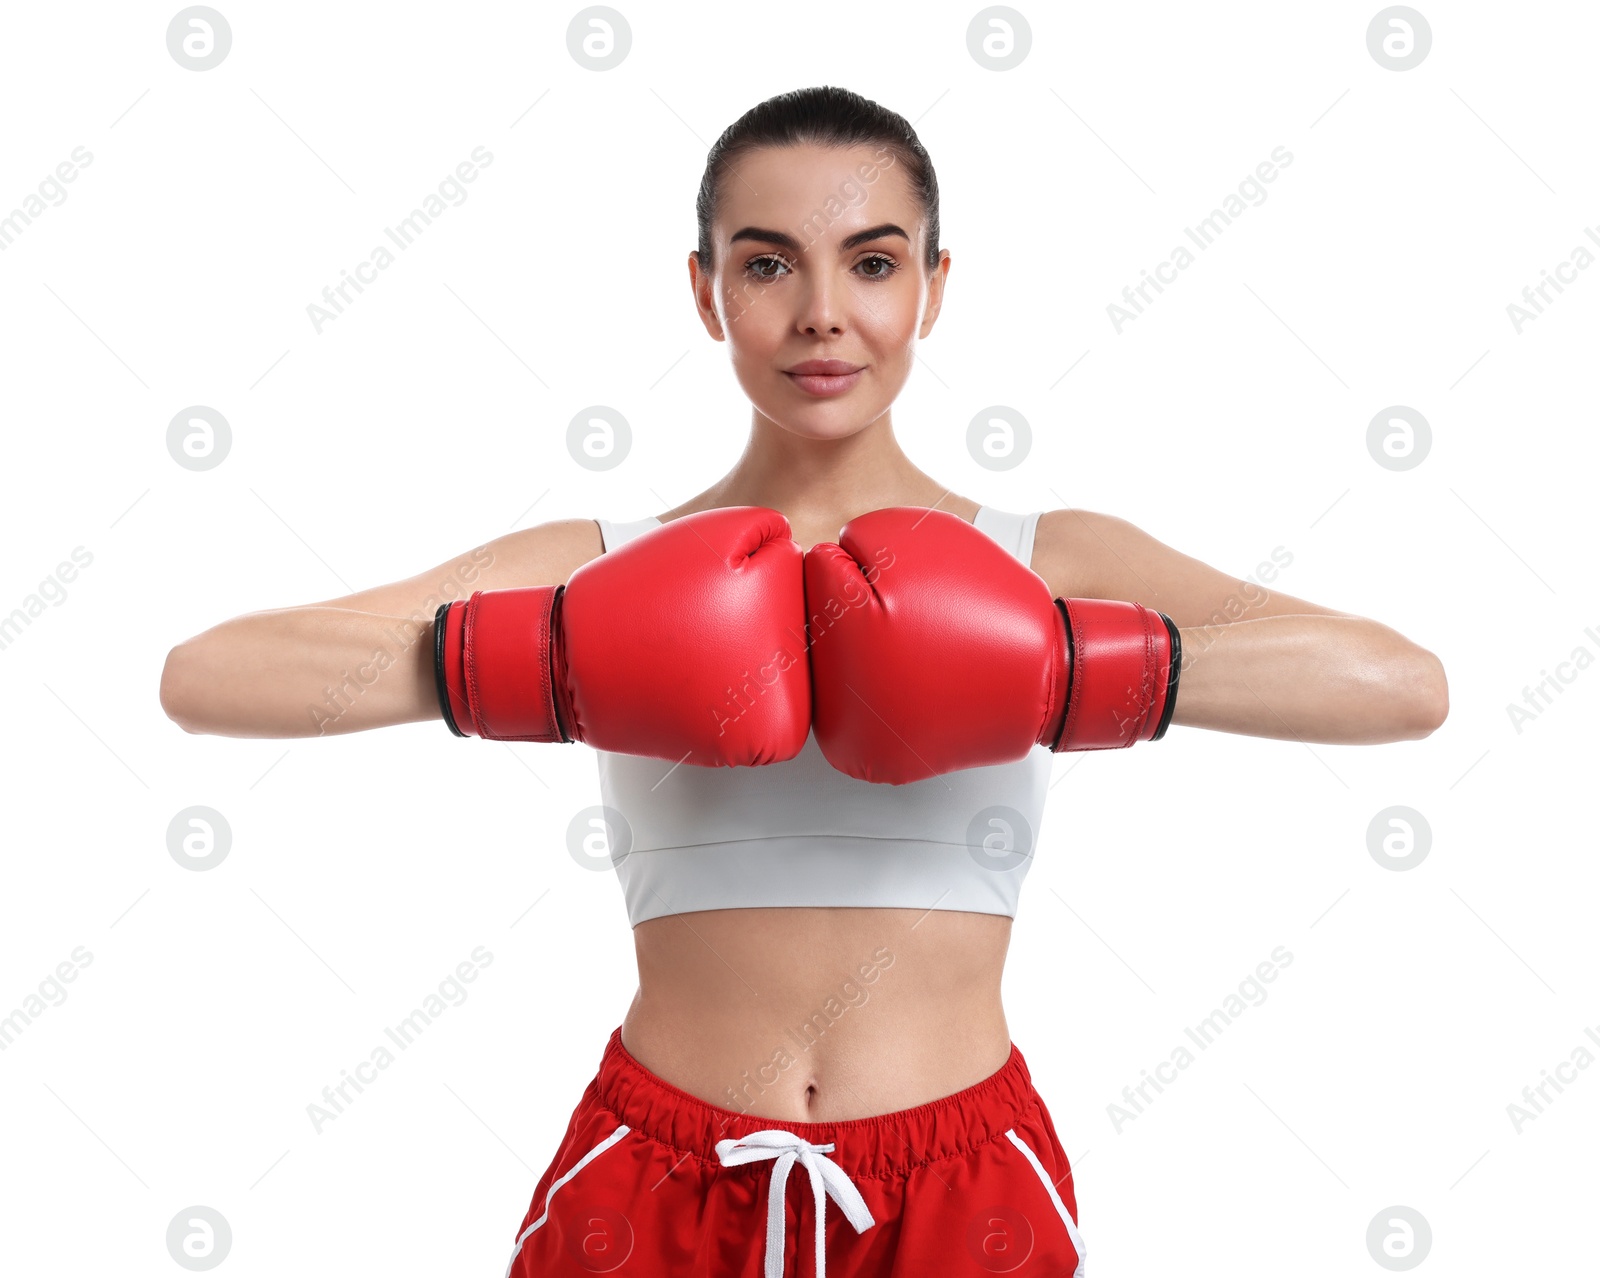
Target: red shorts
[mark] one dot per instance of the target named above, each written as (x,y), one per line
(651,1180)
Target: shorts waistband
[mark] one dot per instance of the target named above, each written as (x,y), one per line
(879,1146)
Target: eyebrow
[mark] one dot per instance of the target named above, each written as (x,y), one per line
(784,240)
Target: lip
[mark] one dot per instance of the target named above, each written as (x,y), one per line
(825,367)
(824,377)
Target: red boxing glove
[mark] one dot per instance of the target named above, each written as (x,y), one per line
(933,649)
(687,643)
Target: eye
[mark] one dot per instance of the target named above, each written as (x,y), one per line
(751,268)
(888,264)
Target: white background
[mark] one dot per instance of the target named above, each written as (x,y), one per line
(1230,419)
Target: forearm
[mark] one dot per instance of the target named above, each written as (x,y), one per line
(1345,680)
(302,672)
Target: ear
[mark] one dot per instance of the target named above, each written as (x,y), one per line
(936,285)
(702,285)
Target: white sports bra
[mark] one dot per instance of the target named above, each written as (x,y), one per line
(801,833)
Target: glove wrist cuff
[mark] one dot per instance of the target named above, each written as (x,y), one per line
(1123,662)
(495,663)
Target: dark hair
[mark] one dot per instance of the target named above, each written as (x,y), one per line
(824,116)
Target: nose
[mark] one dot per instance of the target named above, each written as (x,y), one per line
(825,306)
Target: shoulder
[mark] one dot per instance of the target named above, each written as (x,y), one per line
(575,537)
(549,552)
(1090,555)
(1072,549)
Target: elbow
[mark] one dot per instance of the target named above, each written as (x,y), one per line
(176,701)
(1424,694)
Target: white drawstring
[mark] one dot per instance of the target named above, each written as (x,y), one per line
(785,1147)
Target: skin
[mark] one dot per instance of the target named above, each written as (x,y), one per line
(720,990)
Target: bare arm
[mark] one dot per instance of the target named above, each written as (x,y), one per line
(1255,661)
(361,661)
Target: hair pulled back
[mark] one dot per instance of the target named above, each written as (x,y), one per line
(823,116)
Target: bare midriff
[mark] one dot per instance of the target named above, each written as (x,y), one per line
(820,1014)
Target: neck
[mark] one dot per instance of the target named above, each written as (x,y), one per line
(826,479)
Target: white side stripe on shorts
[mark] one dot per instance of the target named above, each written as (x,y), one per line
(1066,1216)
(577,1167)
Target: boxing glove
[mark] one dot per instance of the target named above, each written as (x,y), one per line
(933,649)
(687,643)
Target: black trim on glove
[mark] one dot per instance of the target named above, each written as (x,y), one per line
(438,670)
(1174,669)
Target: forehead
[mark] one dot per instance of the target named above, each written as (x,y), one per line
(852,187)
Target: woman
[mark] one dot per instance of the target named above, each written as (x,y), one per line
(819,980)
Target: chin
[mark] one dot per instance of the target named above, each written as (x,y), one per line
(827,429)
